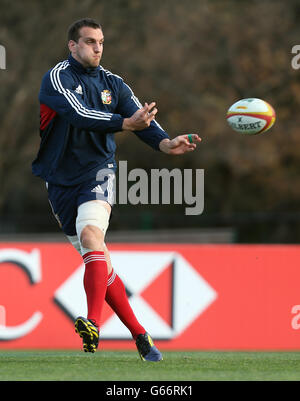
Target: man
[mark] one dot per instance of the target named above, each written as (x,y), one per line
(82,105)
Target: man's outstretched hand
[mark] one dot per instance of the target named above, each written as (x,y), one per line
(180,145)
(141,119)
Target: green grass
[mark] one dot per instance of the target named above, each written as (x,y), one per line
(126,366)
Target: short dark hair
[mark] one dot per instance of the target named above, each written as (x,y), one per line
(73,31)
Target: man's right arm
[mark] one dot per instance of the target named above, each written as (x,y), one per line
(57,93)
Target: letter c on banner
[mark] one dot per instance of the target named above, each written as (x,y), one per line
(30,263)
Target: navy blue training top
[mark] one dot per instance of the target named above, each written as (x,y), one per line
(80,110)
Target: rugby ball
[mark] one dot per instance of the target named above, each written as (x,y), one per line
(251,116)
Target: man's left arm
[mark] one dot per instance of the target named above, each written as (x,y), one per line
(154,135)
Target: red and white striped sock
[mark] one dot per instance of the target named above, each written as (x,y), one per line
(117,299)
(95,283)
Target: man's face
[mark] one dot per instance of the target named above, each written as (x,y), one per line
(89,48)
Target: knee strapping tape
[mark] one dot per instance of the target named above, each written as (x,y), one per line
(92,213)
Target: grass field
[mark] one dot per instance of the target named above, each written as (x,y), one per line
(126,366)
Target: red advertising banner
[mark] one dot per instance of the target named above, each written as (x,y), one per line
(189,297)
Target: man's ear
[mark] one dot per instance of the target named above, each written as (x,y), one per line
(71,45)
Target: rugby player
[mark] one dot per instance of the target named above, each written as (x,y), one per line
(82,105)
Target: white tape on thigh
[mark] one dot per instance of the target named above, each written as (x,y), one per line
(92,213)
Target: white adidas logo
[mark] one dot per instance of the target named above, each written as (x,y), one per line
(98,189)
(79,90)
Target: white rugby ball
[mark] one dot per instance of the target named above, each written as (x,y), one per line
(251,116)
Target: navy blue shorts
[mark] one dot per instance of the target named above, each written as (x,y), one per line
(65,201)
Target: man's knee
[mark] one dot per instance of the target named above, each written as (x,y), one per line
(92,238)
